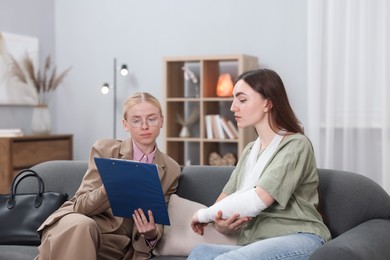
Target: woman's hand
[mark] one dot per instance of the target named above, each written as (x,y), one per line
(230,225)
(148,229)
(196,226)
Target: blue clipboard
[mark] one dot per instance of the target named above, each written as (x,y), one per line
(131,185)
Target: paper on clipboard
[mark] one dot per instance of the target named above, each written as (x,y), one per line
(131,185)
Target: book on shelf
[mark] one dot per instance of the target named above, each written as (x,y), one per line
(220,132)
(214,127)
(233,127)
(209,128)
(230,132)
(11,132)
(218,127)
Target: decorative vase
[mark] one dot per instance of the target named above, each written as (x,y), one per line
(40,123)
(184,132)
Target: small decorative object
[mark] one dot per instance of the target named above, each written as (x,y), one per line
(185,122)
(217,160)
(225,85)
(189,75)
(44,85)
(40,122)
(11,132)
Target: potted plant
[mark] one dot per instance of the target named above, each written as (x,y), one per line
(45,82)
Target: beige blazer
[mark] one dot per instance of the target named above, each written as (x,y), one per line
(91,201)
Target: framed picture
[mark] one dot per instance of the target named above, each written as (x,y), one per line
(12,90)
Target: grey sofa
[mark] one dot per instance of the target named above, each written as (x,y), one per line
(356,209)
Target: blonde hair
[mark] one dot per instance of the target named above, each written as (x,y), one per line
(140,97)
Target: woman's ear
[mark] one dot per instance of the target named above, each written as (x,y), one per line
(125,125)
(268,105)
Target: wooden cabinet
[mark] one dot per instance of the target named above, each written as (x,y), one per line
(196,91)
(17,153)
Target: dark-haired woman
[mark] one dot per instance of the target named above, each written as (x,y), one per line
(271,198)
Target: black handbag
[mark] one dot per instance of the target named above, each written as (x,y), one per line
(22,214)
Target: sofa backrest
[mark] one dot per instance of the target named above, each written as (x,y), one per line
(60,176)
(348,199)
(203,184)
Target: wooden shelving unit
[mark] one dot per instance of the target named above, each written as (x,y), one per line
(184,96)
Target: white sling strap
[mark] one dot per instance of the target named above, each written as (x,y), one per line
(254,166)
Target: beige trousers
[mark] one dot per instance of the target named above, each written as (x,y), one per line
(77,237)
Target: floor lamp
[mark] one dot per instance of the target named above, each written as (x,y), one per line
(106,89)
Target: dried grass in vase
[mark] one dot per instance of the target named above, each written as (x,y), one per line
(185,122)
(44,84)
(192,118)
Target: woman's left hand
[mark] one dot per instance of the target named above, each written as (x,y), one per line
(146,228)
(230,225)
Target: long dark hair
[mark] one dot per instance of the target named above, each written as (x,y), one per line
(268,84)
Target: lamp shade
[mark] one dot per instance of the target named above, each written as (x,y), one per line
(225,85)
(105,88)
(124,70)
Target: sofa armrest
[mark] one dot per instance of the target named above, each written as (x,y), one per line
(369,240)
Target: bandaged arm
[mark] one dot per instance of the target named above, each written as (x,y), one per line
(246,203)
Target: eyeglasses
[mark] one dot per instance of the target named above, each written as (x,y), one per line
(137,122)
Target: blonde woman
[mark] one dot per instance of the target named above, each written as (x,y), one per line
(84,227)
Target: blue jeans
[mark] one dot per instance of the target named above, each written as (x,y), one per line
(291,247)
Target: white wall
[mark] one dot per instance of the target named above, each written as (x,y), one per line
(89,34)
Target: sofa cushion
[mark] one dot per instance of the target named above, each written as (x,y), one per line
(364,241)
(17,252)
(178,238)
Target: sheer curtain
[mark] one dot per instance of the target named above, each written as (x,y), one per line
(349,86)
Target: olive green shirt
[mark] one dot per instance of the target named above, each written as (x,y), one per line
(290,177)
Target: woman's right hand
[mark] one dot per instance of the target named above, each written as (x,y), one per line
(196,226)
(229,225)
